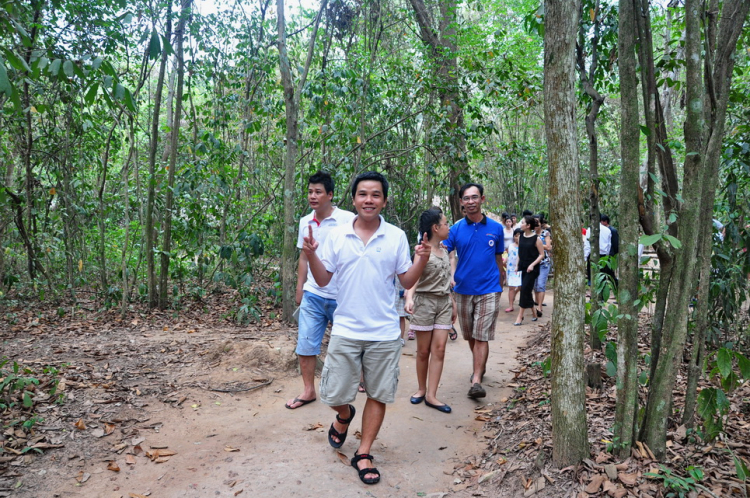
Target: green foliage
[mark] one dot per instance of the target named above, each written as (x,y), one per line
(545,366)
(731,368)
(676,485)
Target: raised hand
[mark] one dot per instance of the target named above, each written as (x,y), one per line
(309,244)
(424,248)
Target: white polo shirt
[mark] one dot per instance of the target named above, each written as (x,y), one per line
(320,232)
(366,280)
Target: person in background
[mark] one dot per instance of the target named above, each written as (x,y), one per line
(316,304)
(514,276)
(433,310)
(530,253)
(475,245)
(540,285)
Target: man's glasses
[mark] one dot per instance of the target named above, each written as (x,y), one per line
(470,198)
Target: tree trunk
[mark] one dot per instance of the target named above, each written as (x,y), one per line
(150,232)
(175,136)
(442,49)
(704,131)
(291,104)
(587,82)
(627,324)
(569,433)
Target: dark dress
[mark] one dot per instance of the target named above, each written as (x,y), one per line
(527,253)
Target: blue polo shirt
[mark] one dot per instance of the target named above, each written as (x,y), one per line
(476,245)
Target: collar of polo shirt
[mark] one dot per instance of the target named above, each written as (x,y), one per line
(483,221)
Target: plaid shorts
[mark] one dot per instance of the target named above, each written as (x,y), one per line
(477,315)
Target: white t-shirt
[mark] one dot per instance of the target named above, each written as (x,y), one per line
(320,232)
(605,240)
(366,286)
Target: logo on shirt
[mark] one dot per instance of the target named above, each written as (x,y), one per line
(492,243)
(378,249)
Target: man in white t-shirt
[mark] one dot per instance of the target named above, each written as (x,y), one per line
(316,304)
(366,255)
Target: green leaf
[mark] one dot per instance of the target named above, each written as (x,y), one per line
(154,46)
(707,403)
(611,369)
(744,365)
(648,240)
(27,401)
(68,69)
(128,99)
(724,362)
(119,91)
(54,68)
(643,378)
(645,130)
(17,62)
(91,93)
(673,240)
(5,86)
(742,472)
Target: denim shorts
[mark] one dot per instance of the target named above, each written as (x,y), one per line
(541,281)
(314,314)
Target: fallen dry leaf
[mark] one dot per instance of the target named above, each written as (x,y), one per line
(313,427)
(230,449)
(628,479)
(344,459)
(80,425)
(160,453)
(113,466)
(130,459)
(595,483)
(109,428)
(136,495)
(162,460)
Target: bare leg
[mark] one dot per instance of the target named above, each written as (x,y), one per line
(539,300)
(480,352)
(343,412)
(423,361)
(307,367)
(372,419)
(437,358)
(512,296)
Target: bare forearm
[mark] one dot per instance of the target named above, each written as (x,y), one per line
(320,274)
(411,277)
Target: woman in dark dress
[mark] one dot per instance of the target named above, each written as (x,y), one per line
(530,253)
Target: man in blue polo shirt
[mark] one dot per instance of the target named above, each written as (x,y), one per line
(478,243)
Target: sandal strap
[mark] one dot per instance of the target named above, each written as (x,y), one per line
(361,456)
(347,420)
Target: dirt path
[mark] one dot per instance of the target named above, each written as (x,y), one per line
(280,452)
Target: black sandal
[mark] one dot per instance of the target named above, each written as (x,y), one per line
(364,472)
(453,334)
(332,432)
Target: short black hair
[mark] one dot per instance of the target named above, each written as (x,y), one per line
(428,219)
(526,212)
(517,231)
(540,219)
(530,220)
(604,217)
(514,215)
(467,186)
(504,216)
(370,175)
(324,178)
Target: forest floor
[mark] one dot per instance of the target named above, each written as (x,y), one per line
(168,404)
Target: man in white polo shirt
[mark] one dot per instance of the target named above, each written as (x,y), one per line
(365,255)
(316,304)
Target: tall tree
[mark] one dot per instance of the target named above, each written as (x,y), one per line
(175,136)
(627,324)
(708,73)
(155,50)
(443,52)
(569,433)
(292,95)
